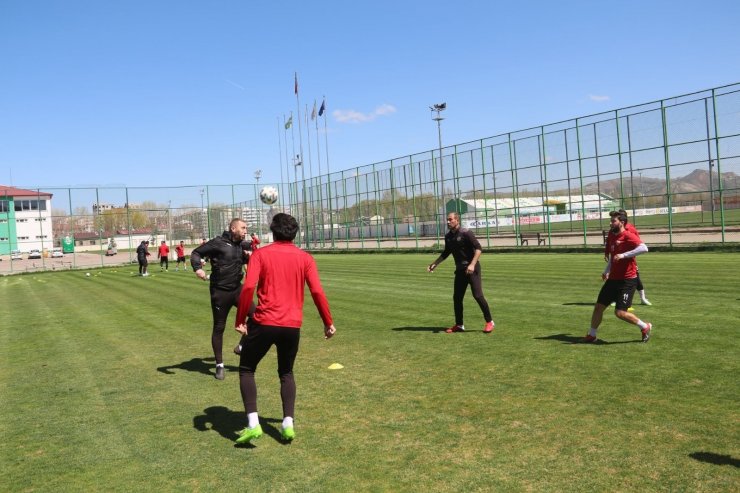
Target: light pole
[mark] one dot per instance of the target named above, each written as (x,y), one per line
(711,189)
(642,191)
(298,162)
(438,108)
(202,213)
(257,176)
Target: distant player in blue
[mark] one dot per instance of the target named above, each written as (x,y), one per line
(466,250)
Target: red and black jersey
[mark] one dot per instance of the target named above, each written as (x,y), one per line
(462,244)
(627,227)
(620,243)
(163,251)
(280,272)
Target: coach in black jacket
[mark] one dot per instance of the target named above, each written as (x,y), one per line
(228,254)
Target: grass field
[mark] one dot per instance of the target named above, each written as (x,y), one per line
(106,383)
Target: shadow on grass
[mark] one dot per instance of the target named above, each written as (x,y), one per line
(228,423)
(717,459)
(579,304)
(198,365)
(569,339)
(422,329)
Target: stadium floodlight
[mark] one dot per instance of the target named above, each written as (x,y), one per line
(438,108)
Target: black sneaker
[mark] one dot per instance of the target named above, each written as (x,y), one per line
(238,349)
(220,373)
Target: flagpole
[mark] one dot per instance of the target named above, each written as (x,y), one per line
(310,179)
(300,146)
(318,158)
(287,161)
(280,153)
(295,171)
(328,171)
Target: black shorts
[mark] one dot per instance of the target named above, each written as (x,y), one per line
(619,291)
(181,259)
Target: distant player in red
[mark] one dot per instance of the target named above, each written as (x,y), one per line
(279,272)
(621,278)
(631,228)
(255,242)
(180,250)
(163,252)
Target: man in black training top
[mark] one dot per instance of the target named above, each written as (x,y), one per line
(227,256)
(466,250)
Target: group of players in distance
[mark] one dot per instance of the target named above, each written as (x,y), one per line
(279,272)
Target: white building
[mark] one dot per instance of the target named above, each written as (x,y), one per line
(25,220)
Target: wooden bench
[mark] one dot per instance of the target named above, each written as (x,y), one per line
(525,237)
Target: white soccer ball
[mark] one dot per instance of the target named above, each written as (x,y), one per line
(87,274)
(269,195)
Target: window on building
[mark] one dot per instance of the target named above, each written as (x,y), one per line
(42,237)
(42,219)
(21,220)
(4,206)
(23,237)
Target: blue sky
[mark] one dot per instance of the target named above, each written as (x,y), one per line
(170,93)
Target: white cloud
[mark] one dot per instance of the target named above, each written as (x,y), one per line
(352,116)
(598,99)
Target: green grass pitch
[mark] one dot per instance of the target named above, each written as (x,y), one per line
(106,383)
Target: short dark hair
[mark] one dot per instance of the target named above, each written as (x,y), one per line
(621,214)
(284,227)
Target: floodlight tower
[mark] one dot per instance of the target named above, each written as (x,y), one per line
(439,108)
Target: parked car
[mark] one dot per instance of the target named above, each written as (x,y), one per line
(16,255)
(34,254)
(57,253)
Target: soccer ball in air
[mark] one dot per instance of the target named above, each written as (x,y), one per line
(269,195)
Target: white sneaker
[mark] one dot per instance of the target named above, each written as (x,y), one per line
(646,302)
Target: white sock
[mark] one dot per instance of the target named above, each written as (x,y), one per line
(642,294)
(254,420)
(219,364)
(592,332)
(287,422)
(641,324)
(240,348)
(462,326)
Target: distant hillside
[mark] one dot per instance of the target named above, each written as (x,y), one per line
(695,182)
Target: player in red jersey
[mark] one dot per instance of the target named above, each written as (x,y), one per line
(180,250)
(163,252)
(629,227)
(279,272)
(621,278)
